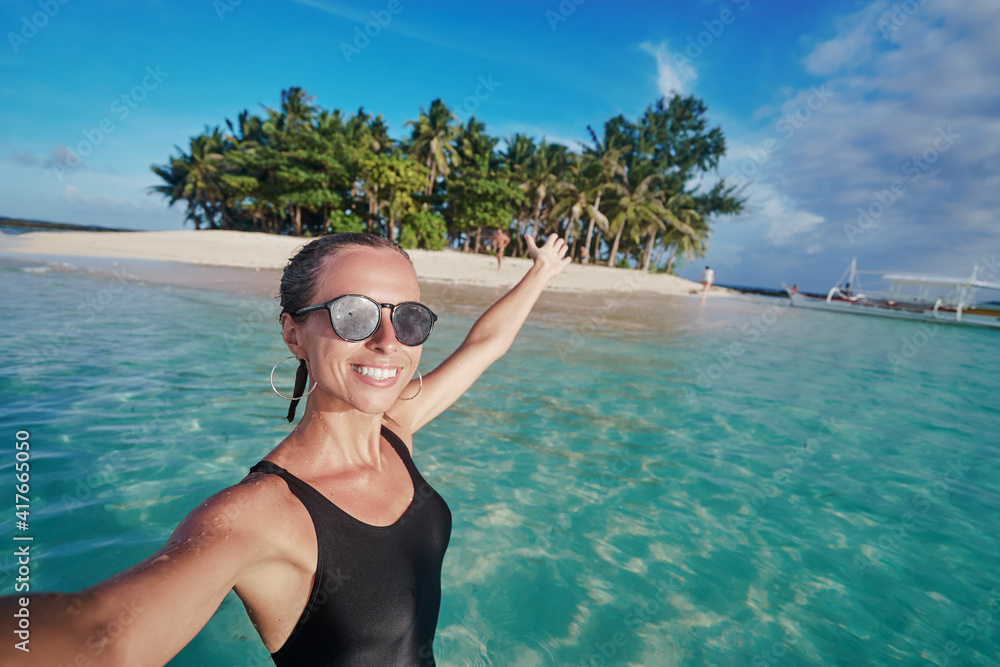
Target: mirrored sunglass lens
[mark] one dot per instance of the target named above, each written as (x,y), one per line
(412,323)
(354,318)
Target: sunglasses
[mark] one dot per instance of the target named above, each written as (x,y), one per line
(356,318)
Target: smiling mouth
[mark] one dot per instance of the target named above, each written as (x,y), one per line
(374,373)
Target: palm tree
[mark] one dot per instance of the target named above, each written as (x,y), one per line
(520,152)
(517,157)
(301,168)
(477,160)
(246,129)
(431,141)
(287,131)
(474,146)
(367,133)
(606,162)
(391,181)
(173,174)
(570,197)
(681,217)
(286,167)
(579,196)
(685,245)
(636,205)
(297,110)
(197,178)
(544,171)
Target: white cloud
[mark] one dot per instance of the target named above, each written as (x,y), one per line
(671,76)
(785,220)
(856,35)
(764,112)
(886,122)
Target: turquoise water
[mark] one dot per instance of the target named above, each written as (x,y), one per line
(739,484)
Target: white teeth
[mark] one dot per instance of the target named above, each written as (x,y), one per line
(375,373)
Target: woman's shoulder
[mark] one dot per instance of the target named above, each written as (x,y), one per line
(253,501)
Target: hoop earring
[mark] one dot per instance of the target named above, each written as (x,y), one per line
(421,378)
(287,398)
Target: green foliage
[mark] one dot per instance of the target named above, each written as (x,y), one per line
(481,197)
(390,182)
(432,141)
(304,170)
(423,229)
(339,221)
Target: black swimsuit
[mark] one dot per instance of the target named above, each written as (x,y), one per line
(377,589)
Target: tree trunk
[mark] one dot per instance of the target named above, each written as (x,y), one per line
(590,230)
(647,252)
(297,220)
(571,222)
(670,260)
(479,239)
(535,215)
(659,254)
(614,246)
(372,206)
(391,232)
(432,165)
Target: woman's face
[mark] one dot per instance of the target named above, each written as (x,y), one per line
(345,370)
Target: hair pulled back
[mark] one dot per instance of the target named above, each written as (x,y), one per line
(298,282)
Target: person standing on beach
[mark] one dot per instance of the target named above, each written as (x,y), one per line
(707,278)
(334,542)
(500,241)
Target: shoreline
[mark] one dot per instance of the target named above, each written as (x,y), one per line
(188,257)
(625,309)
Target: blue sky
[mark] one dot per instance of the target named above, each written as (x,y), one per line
(868,129)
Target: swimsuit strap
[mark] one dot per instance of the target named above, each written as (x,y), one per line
(314,500)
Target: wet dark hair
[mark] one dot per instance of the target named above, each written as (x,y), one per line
(298,282)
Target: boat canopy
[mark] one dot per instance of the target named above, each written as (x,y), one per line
(938,281)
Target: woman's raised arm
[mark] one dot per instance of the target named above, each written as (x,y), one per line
(146,614)
(488,340)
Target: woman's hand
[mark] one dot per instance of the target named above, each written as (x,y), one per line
(551,256)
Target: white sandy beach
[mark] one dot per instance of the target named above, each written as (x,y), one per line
(254,250)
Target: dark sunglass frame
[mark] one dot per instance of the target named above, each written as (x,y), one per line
(392,316)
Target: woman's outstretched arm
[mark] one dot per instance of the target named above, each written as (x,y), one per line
(488,340)
(146,614)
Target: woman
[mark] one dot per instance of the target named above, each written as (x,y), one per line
(334,542)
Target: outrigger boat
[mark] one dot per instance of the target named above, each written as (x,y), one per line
(954,307)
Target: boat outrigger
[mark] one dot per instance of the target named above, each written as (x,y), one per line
(957,306)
